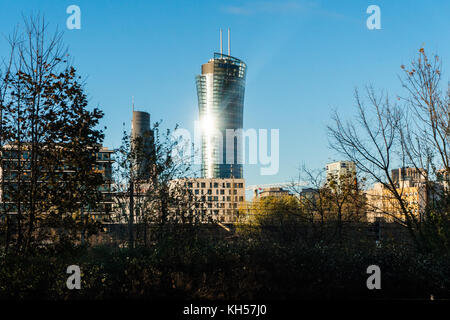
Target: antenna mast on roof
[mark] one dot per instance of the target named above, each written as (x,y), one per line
(132,103)
(221,42)
(229,43)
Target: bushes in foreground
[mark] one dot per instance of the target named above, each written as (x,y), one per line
(226,269)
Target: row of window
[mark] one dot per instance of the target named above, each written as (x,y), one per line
(216,185)
(103,156)
(26,165)
(14,154)
(215,211)
(209,191)
(228,198)
(100,207)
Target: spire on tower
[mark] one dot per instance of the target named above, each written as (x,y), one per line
(229,43)
(221,42)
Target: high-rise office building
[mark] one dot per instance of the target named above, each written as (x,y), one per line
(220,90)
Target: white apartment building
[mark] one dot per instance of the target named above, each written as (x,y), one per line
(339,169)
(218,198)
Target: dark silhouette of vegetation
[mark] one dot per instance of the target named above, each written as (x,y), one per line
(48,141)
(211,268)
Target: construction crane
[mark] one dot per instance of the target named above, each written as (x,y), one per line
(277,185)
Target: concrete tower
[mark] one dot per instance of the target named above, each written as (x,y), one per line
(142,139)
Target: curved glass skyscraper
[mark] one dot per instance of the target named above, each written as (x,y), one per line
(220,90)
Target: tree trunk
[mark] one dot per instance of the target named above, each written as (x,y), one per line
(131,216)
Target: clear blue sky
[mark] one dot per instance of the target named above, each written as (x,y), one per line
(304,59)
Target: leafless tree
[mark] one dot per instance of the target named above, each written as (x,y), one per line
(385,135)
(149,186)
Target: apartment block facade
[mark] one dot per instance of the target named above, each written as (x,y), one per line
(10,174)
(217,198)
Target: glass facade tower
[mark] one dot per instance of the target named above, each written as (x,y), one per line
(220,90)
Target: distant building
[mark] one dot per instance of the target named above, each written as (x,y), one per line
(408,176)
(443,178)
(410,184)
(273,192)
(382,205)
(309,193)
(337,171)
(216,198)
(9,173)
(104,162)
